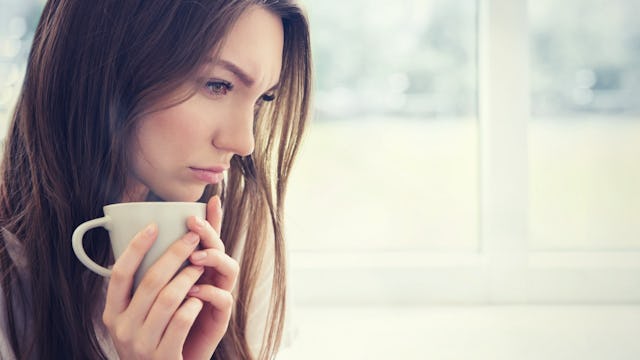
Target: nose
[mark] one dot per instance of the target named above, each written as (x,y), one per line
(235,133)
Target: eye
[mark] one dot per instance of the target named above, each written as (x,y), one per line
(265,98)
(218,87)
(268,97)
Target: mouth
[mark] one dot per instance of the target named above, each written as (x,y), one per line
(209,175)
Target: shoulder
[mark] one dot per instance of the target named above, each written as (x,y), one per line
(18,307)
(13,246)
(6,351)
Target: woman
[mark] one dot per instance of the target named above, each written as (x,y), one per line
(136,100)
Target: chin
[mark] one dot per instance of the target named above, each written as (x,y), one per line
(188,195)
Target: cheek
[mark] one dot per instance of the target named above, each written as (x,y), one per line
(180,127)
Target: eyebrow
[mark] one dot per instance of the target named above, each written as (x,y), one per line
(241,74)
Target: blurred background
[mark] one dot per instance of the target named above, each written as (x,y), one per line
(470,185)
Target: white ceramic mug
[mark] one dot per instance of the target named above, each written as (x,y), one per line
(125,220)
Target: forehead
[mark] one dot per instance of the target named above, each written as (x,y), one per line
(255,44)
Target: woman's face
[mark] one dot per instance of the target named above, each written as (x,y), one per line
(179,150)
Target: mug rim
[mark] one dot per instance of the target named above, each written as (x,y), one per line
(153,203)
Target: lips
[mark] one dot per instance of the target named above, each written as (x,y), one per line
(209,175)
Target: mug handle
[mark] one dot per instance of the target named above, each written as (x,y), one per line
(76,242)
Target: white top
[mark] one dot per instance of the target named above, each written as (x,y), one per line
(257,314)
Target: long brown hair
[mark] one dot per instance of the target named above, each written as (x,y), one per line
(94,69)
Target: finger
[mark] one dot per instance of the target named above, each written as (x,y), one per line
(224,265)
(122,273)
(167,302)
(220,299)
(159,274)
(214,213)
(179,326)
(209,237)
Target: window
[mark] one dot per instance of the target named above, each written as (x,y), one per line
(584,133)
(390,162)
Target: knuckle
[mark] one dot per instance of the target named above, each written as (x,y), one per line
(107,320)
(226,301)
(118,274)
(235,267)
(183,319)
(123,333)
(216,237)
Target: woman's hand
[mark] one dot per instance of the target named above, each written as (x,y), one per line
(214,287)
(167,317)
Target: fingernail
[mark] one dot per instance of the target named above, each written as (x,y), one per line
(199,222)
(150,230)
(191,238)
(194,289)
(199,255)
